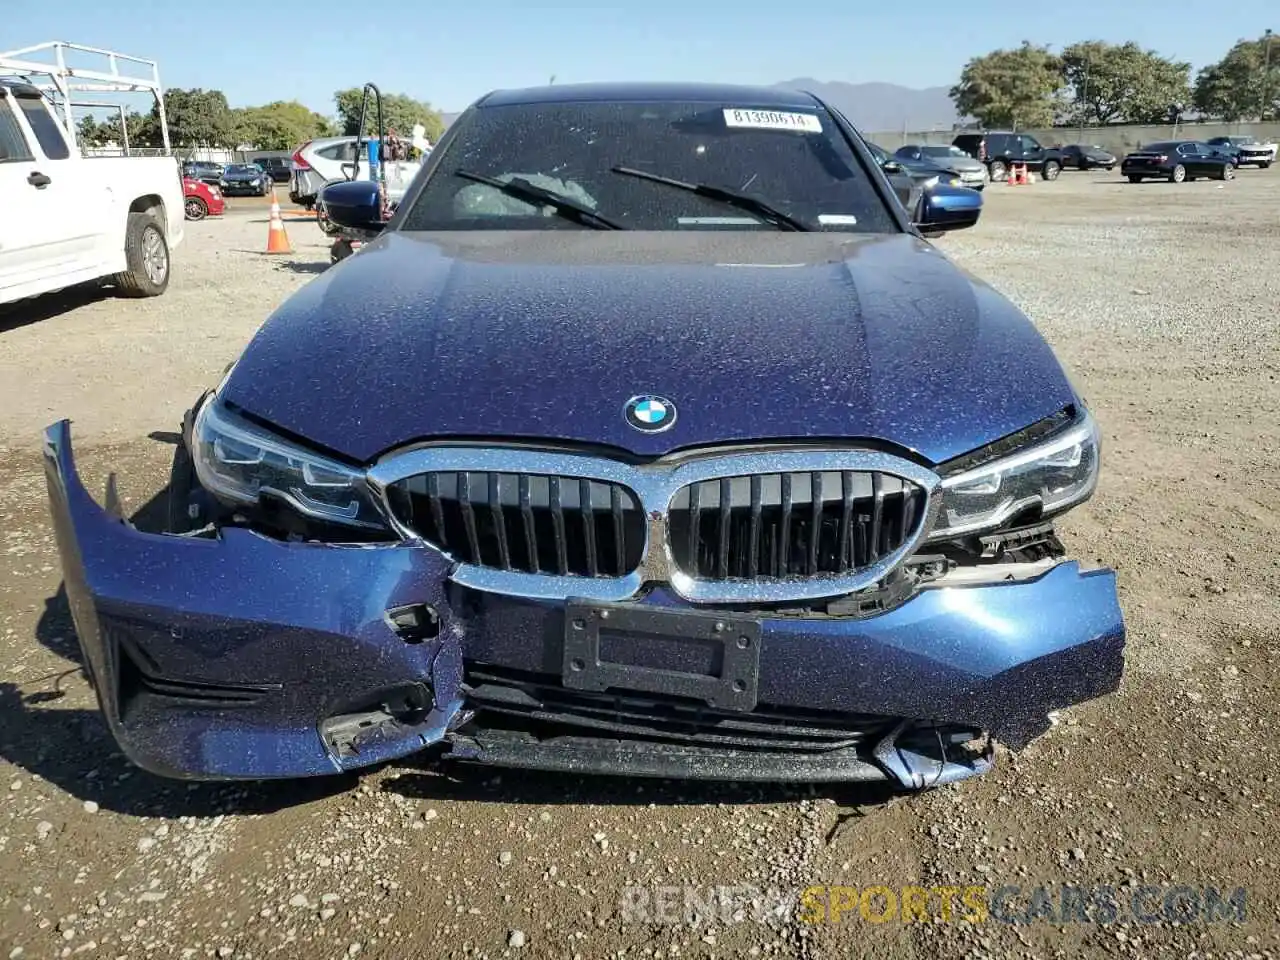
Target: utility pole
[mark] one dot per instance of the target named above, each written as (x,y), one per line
(1267,98)
(1084,99)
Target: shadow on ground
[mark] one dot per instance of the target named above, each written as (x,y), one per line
(49,305)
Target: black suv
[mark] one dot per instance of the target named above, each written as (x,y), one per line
(1000,149)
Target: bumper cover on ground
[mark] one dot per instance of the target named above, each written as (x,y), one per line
(237,656)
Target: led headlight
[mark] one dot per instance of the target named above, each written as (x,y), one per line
(1053,474)
(242,463)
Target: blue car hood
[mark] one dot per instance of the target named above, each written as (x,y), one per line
(547,334)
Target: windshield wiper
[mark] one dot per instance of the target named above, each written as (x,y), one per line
(522,189)
(731,197)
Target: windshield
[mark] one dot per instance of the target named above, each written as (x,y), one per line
(1243,141)
(242,168)
(951,152)
(794,161)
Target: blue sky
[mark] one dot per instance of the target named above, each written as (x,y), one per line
(451,53)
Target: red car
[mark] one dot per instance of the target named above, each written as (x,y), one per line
(202,200)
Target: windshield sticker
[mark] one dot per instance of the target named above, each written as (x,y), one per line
(837,219)
(772,120)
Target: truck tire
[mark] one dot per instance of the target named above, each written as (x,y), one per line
(996,170)
(1050,170)
(147,255)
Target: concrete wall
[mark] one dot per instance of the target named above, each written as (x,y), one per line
(1119,140)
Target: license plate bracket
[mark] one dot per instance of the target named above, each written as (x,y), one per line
(728,648)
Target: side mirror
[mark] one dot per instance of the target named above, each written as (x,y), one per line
(892,166)
(353,204)
(946,208)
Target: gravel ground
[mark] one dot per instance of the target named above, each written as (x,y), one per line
(1163,301)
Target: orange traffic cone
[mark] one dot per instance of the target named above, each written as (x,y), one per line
(1012,178)
(277,239)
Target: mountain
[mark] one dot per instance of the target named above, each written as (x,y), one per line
(883,107)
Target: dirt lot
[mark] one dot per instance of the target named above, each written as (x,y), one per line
(1163,300)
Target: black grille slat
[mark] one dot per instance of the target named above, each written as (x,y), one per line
(619,528)
(846,521)
(557,524)
(535,697)
(525,494)
(469,518)
(499,520)
(587,513)
(529,523)
(792,526)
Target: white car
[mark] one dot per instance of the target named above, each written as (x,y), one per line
(1248,151)
(318,163)
(66,218)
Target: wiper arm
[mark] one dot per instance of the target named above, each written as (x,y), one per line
(522,189)
(731,197)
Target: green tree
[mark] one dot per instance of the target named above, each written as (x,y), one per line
(143,129)
(1113,83)
(1010,88)
(89,132)
(399,111)
(198,117)
(1243,84)
(280,125)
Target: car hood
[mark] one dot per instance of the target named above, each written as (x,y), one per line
(547,334)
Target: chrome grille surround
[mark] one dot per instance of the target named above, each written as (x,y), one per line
(656,484)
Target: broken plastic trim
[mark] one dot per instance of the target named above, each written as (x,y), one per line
(907,754)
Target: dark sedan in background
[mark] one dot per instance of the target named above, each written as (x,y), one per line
(245,179)
(205,171)
(1176,161)
(1085,157)
(972,173)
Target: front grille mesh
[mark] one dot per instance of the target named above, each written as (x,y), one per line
(525,522)
(792,525)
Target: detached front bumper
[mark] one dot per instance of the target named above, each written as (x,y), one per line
(239,656)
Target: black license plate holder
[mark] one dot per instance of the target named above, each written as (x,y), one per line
(729,645)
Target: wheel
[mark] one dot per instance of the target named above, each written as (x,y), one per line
(1050,170)
(1264,164)
(1228,172)
(1082,165)
(1179,174)
(195,208)
(1134,178)
(997,170)
(147,255)
(1110,167)
(340,250)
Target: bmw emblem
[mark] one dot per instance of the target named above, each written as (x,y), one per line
(650,414)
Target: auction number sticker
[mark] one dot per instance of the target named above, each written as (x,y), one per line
(772,120)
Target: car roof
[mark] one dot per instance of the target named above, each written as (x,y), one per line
(638,91)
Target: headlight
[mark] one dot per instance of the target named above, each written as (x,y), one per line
(931,183)
(1053,474)
(241,463)
(956,182)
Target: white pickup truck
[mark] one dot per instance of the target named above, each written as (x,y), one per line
(67,218)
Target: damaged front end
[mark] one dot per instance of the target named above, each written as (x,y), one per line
(256,649)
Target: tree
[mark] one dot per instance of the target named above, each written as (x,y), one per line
(280,125)
(1113,83)
(143,129)
(198,118)
(399,111)
(1243,84)
(89,132)
(1010,88)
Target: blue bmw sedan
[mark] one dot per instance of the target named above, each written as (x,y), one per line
(591,462)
